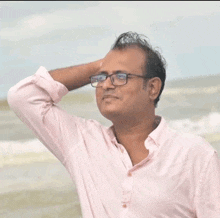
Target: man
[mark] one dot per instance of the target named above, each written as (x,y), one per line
(138,167)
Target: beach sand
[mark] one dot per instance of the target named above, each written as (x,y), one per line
(44,203)
(38,190)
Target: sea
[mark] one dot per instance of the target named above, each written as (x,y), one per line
(33,183)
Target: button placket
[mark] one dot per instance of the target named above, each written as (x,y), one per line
(127,190)
(125,157)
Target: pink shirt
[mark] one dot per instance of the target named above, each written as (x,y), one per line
(180,178)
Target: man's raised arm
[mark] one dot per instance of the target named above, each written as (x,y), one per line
(34,99)
(76,76)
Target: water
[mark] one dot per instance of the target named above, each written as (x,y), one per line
(37,190)
(31,185)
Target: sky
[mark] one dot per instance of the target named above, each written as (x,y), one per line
(57,34)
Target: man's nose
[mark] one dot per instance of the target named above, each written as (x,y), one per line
(107,84)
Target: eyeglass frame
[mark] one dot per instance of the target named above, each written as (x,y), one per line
(110,75)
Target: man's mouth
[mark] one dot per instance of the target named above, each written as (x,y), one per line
(109,96)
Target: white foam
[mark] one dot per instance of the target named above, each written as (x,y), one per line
(19,147)
(189,91)
(205,125)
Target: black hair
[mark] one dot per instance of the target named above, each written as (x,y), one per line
(155,65)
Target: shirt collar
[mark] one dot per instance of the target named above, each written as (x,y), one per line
(112,135)
(158,135)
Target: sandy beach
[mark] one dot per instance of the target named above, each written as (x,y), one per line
(40,189)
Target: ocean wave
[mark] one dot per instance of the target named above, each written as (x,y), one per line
(19,147)
(24,152)
(189,91)
(206,125)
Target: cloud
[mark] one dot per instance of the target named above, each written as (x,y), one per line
(36,22)
(38,25)
(12,10)
(117,16)
(45,34)
(162,11)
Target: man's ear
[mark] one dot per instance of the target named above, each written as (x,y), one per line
(154,85)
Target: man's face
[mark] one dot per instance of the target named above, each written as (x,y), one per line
(130,99)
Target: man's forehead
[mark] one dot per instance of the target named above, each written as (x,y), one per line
(125,59)
(130,52)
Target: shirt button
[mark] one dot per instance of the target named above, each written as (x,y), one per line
(129,174)
(124,205)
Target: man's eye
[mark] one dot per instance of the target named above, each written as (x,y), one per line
(121,76)
(101,77)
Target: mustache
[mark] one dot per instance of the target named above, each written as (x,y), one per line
(109,96)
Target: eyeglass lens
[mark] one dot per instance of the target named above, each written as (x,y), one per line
(116,79)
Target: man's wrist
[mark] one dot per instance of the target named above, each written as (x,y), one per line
(95,66)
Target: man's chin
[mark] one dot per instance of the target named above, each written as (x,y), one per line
(110,114)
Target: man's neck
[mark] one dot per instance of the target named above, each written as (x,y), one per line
(132,133)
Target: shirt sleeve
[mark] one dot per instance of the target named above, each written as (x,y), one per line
(33,100)
(208,195)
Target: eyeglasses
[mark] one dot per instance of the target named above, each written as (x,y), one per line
(117,79)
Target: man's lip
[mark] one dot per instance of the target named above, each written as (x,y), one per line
(109,96)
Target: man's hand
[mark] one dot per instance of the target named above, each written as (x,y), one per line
(76,76)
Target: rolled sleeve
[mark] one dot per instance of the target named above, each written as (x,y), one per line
(55,89)
(33,100)
(208,195)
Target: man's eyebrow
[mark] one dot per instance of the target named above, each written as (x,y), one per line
(103,72)
(114,72)
(120,71)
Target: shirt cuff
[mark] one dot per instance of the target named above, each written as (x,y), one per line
(55,89)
